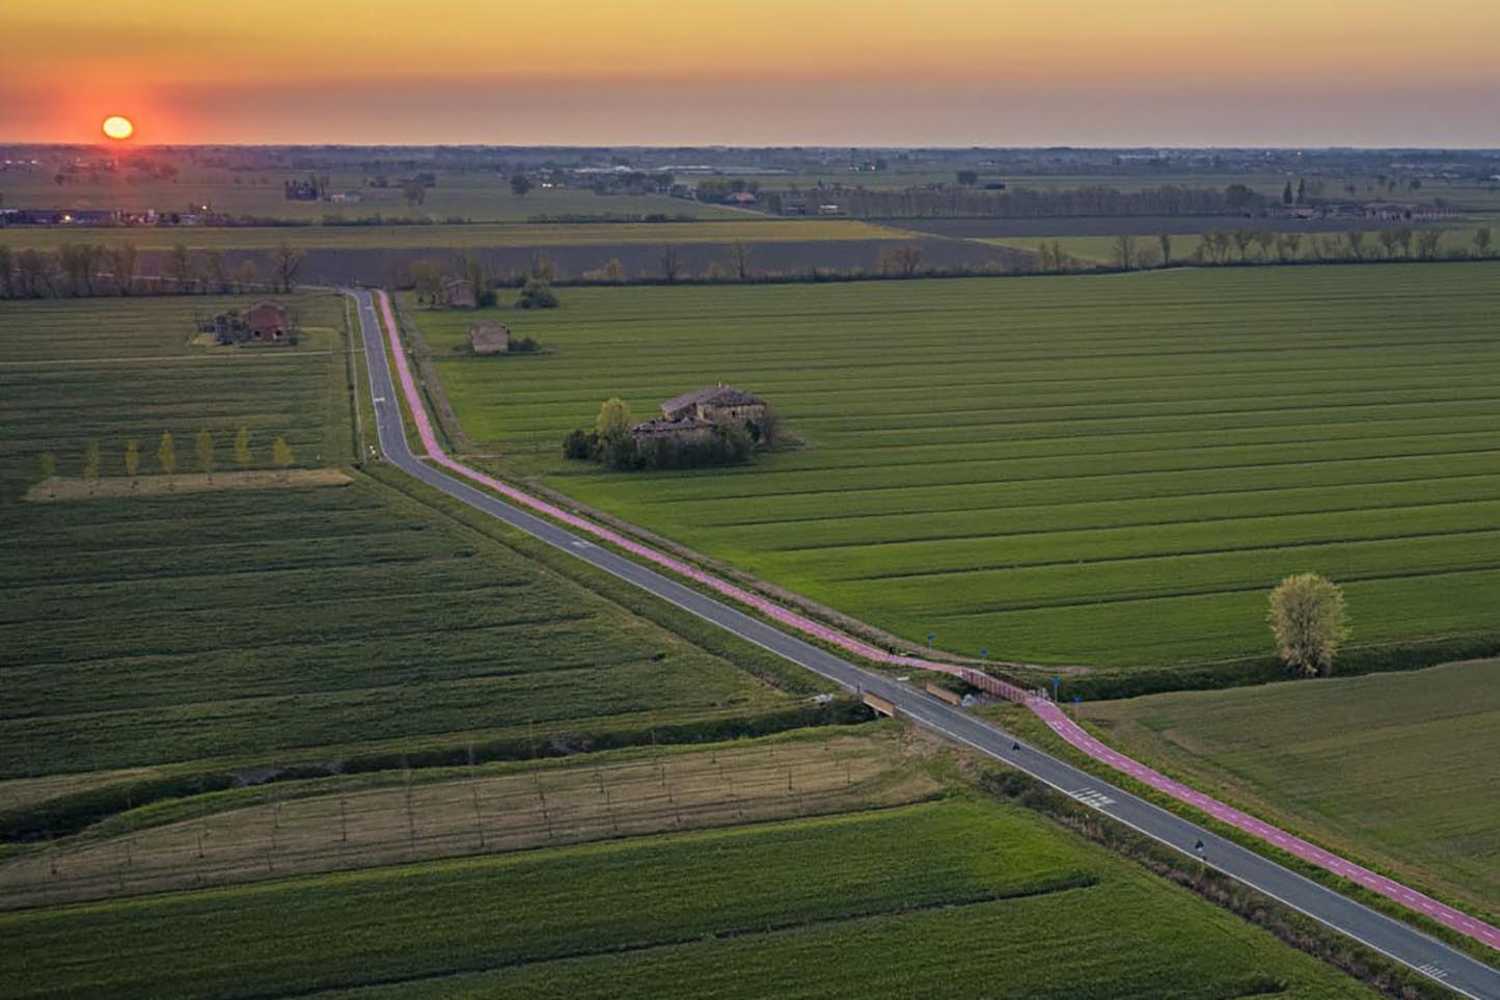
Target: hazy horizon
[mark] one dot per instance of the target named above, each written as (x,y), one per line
(953,73)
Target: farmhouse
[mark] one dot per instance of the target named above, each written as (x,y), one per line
(265,322)
(489,338)
(268,321)
(457,293)
(714,403)
(693,415)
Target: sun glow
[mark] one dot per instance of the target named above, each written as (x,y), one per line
(118,127)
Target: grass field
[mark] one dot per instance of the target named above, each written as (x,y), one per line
(951,898)
(1108,470)
(474,195)
(1389,765)
(743,229)
(250,628)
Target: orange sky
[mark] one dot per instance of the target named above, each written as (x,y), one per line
(953,72)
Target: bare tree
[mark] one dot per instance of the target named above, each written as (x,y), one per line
(122,265)
(1265,239)
(1482,241)
(1428,241)
(216,271)
(287,262)
(1404,236)
(1355,240)
(1124,251)
(1242,240)
(1164,240)
(180,267)
(246,276)
(671,263)
(740,255)
(1288,245)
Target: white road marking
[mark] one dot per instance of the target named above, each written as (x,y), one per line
(1092,797)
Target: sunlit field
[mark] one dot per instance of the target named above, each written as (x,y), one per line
(1107,470)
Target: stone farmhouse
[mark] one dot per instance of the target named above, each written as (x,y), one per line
(457,293)
(489,338)
(266,322)
(692,415)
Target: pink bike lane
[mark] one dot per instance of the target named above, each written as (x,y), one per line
(1043,707)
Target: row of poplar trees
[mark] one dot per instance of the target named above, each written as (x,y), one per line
(204,446)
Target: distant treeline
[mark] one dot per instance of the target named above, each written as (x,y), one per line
(86,270)
(1030,203)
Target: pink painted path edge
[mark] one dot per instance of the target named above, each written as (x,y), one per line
(1040,705)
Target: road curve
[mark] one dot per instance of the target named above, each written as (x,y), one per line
(1399,941)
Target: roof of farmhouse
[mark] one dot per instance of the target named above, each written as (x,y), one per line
(714,395)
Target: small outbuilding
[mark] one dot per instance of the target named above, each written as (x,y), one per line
(457,293)
(489,338)
(685,429)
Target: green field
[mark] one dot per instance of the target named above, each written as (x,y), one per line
(1101,470)
(947,898)
(478,196)
(1389,766)
(272,625)
(742,229)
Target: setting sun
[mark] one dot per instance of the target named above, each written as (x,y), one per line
(118,127)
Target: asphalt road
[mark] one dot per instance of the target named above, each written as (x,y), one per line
(1399,941)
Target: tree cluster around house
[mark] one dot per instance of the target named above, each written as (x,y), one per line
(716,425)
(470,283)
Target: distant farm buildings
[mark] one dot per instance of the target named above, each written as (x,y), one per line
(489,338)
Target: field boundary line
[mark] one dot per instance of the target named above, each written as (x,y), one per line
(1038,704)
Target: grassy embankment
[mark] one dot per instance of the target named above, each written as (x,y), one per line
(1069,470)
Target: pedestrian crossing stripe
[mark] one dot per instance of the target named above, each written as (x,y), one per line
(1435,971)
(1092,797)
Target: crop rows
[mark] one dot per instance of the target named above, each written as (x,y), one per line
(832,899)
(149,630)
(1054,468)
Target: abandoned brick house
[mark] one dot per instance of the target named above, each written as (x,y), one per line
(457,293)
(489,338)
(265,322)
(694,414)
